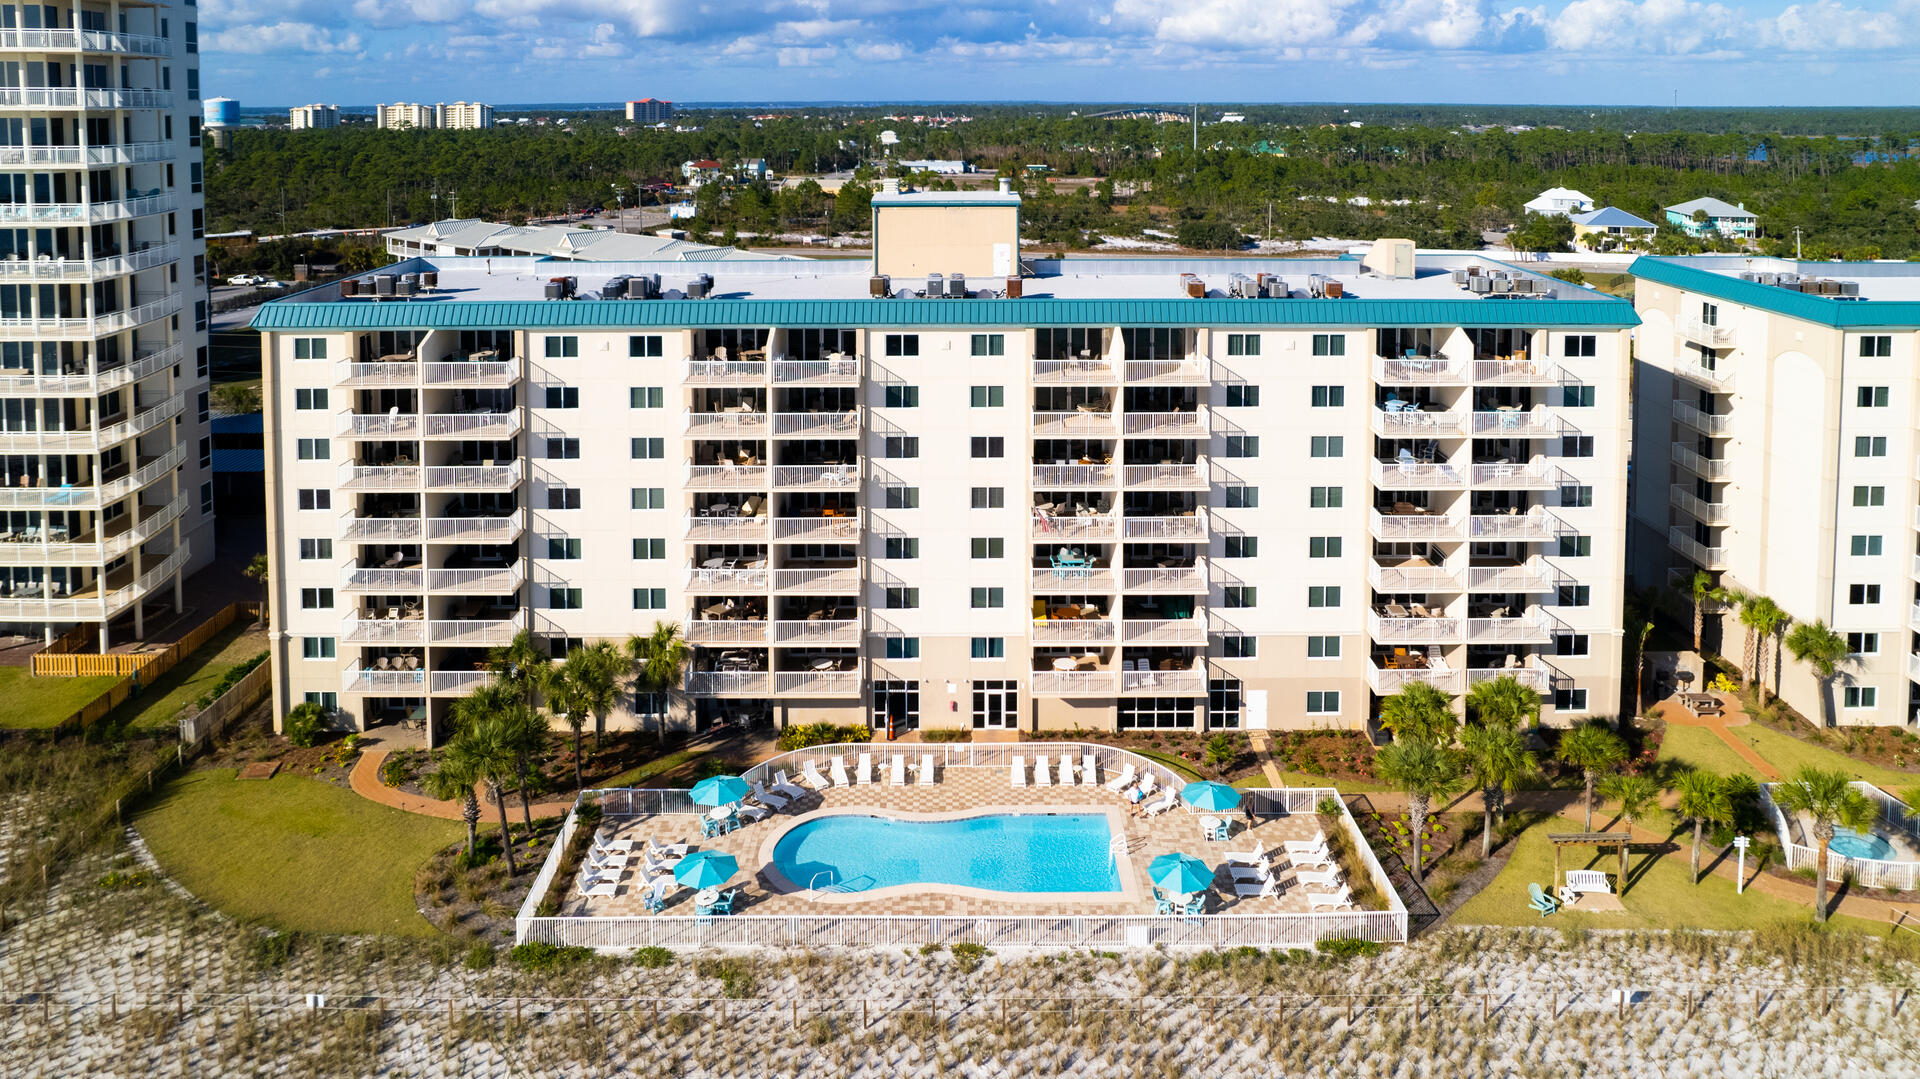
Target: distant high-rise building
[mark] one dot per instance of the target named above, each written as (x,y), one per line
(401,115)
(304,117)
(649,110)
(464,115)
(222,112)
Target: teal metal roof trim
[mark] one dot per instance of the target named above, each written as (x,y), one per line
(1825,310)
(933,314)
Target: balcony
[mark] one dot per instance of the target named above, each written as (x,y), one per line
(1706,467)
(1698,332)
(816,477)
(1535,475)
(1529,577)
(1411,575)
(841,528)
(1531,673)
(1164,477)
(84,41)
(374,631)
(726,425)
(93,497)
(1718,379)
(843,632)
(1408,475)
(1081,372)
(1182,631)
(456,683)
(817,683)
(489,530)
(117,539)
(45,268)
(1167,424)
(817,424)
(1448,423)
(105,598)
(838,580)
(1394,629)
(76,381)
(1087,424)
(1701,555)
(843,371)
(728,683)
(1535,422)
(719,631)
(368,680)
(1704,422)
(53,98)
(473,426)
(1913,615)
(724,373)
(1074,631)
(379,376)
(90,213)
(495,581)
(1094,683)
(722,581)
(471,374)
(1531,626)
(384,582)
(1187,683)
(1517,373)
(1091,526)
(1188,372)
(1167,581)
(1092,579)
(1710,513)
(1534,526)
(1419,371)
(481,478)
(1185,528)
(1913,666)
(1411,527)
(87,328)
(476,632)
(728,477)
(377,428)
(728,529)
(1388,681)
(1062,477)
(352,477)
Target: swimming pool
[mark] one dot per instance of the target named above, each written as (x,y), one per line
(1852,844)
(999,852)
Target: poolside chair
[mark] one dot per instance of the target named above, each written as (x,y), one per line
(810,775)
(1123,780)
(786,789)
(1162,903)
(656,897)
(1165,803)
(1219,830)
(606,860)
(1541,901)
(765,797)
(1042,775)
(666,852)
(1089,777)
(601,842)
(1139,794)
(1256,856)
(710,828)
(926,770)
(1254,871)
(1197,904)
(864,774)
(897,772)
(599,889)
(1066,769)
(1257,889)
(752,814)
(723,904)
(838,768)
(1342,898)
(1323,878)
(1019,776)
(1322,858)
(1318,844)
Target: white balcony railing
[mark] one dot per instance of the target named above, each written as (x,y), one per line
(1188,631)
(834,372)
(1072,631)
(816,424)
(1167,424)
(377,427)
(728,477)
(352,477)
(841,632)
(728,683)
(84,41)
(837,579)
(1698,553)
(1096,579)
(1187,372)
(1533,526)
(817,683)
(1529,627)
(373,630)
(47,268)
(1693,329)
(1096,526)
(1164,683)
(1389,630)
(728,631)
(383,683)
(1704,422)
(1415,578)
(1165,528)
(1073,424)
(1406,527)
(1535,422)
(1387,682)
(503,529)
(1172,580)
(1419,371)
(384,582)
(1531,673)
(1517,373)
(474,426)
(1075,683)
(724,373)
(87,212)
(1710,468)
(93,606)
(1535,475)
(502,581)
(55,97)
(728,529)
(1719,378)
(456,683)
(1417,476)
(1450,423)
(816,477)
(1712,513)
(719,581)
(726,424)
(1061,477)
(1085,372)
(376,376)
(843,529)
(1531,576)
(479,375)
(473,477)
(476,632)
(94,497)
(1177,477)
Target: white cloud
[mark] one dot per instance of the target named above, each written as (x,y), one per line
(283,37)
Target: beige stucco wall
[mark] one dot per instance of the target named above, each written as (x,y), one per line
(981,242)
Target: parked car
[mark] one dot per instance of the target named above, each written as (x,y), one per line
(268,282)
(244,279)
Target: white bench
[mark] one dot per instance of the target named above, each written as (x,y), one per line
(1580,881)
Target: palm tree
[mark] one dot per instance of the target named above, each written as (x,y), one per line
(583,685)
(485,749)
(1701,591)
(1420,712)
(1826,798)
(1704,800)
(660,658)
(1425,771)
(1636,795)
(452,782)
(260,570)
(1639,672)
(1757,614)
(1500,761)
(527,731)
(1504,702)
(1592,748)
(1819,647)
(522,665)
(1769,622)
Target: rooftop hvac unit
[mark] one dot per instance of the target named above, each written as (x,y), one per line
(936,286)
(1316,285)
(697,288)
(1015,288)
(1788,280)
(383,284)
(1240,286)
(956,286)
(556,289)
(615,288)
(409,285)
(1192,287)
(644,287)
(349,287)
(1850,288)
(1480,284)
(429,279)
(1276,288)
(1460,277)
(1749,275)
(1263,284)
(1503,283)
(1762,278)
(1335,290)
(877,286)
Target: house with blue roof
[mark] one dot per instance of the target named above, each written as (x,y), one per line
(1612,221)
(1709,216)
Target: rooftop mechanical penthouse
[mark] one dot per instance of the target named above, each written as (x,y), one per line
(952,486)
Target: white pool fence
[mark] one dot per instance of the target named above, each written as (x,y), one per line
(1891,816)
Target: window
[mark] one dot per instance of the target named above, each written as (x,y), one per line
(1876,345)
(989,344)
(206,497)
(1576,546)
(1577,496)
(311,449)
(1323,702)
(1576,595)
(989,446)
(989,498)
(199,306)
(563,547)
(316,599)
(903,344)
(646,397)
(1570,644)
(1323,647)
(200,357)
(1870,496)
(1243,344)
(309,348)
(1239,646)
(563,449)
(563,348)
(649,498)
(312,549)
(1241,595)
(310,399)
(1241,496)
(1570,700)
(1576,445)
(989,648)
(1155,713)
(1870,445)
(1243,396)
(1330,344)
(1326,498)
(1241,547)
(205,411)
(987,598)
(903,397)
(996,702)
(649,548)
(649,449)
(1863,644)
(903,498)
(1872,397)
(989,396)
(1710,314)
(1323,546)
(317,647)
(1866,546)
(901,547)
(1576,397)
(903,648)
(570,599)
(1578,345)
(1323,446)
(651,705)
(645,346)
(1329,396)
(206,452)
(563,498)
(1223,703)
(1861,696)
(563,397)
(902,446)
(649,599)
(989,547)
(902,599)
(1321,595)
(316,498)
(1863,594)
(326,699)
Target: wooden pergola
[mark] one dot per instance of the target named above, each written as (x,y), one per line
(1619,840)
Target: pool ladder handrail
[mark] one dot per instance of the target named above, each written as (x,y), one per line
(831,887)
(1116,847)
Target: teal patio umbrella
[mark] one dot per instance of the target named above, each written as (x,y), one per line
(1181,874)
(705,869)
(1212,797)
(720,791)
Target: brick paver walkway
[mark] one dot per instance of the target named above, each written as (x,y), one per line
(365,780)
(1675,713)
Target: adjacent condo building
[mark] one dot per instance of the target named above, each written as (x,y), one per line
(313,117)
(106,503)
(954,487)
(1774,449)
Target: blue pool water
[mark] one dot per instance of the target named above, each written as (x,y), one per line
(1854,845)
(1025,852)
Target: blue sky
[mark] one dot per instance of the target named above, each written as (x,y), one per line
(358,52)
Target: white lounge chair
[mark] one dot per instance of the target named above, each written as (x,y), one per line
(864,773)
(1066,769)
(751,814)
(1321,857)
(1089,775)
(839,771)
(1123,780)
(810,775)
(1342,898)
(1019,775)
(782,787)
(1142,790)
(666,850)
(776,802)
(1256,871)
(602,842)
(1257,889)
(1305,846)
(897,773)
(1255,856)
(1320,878)
(1165,803)
(1042,775)
(599,889)
(926,769)
(605,860)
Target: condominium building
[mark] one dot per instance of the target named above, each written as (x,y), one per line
(105,499)
(1774,448)
(315,117)
(649,111)
(406,115)
(464,115)
(952,487)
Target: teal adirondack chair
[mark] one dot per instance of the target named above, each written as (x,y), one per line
(1540,900)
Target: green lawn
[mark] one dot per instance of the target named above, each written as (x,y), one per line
(294,852)
(1302,779)
(158,705)
(1697,747)
(1787,754)
(38,703)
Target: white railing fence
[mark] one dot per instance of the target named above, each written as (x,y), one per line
(1891,815)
